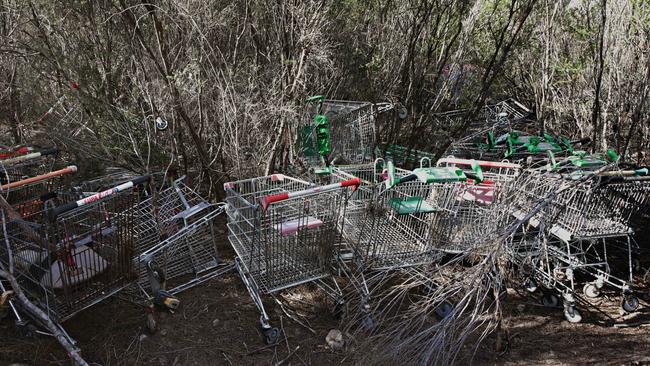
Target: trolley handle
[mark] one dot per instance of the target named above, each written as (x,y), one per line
(55,212)
(52,151)
(267,200)
(39,178)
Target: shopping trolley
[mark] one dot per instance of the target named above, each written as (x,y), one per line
(175,240)
(29,196)
(79,255)
(394,228)
(284,232)
(341,132)
(27,165)
(579,233)
(477,210)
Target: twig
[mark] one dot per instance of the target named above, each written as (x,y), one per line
(292,317)
(289,356)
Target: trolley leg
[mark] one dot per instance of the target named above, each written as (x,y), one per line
(271,334)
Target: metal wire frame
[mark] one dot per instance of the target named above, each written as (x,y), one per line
(76,260)
(288,244)
(402,156)
(175,231)
(591,209)
(392,228)
(478,209)
(576,268)
(352,131)
(26,168)
(562,251)
(285,243)
(31,200)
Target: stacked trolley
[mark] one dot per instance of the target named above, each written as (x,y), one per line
(284,232)
(78,255)
(478,210)
(581,237)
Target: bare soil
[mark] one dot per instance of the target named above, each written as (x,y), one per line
(217,325)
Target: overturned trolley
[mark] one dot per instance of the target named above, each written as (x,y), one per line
(284,233)
(175,235)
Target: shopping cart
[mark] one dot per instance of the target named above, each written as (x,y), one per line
(393,227)
(579,234)
(80,255)
(175,240)
(341,132)
(29,196)
(477,209)
(27,165)
(284,232)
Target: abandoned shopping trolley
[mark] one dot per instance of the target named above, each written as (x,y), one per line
(80,255)
(175,235)
(284,232)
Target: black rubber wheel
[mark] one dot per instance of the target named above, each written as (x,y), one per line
(444,310)
(26,329)
(271,335)
(550,300)
(630,303)
(531,285)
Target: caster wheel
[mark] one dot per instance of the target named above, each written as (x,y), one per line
(531,285)
(26,329)
(444,310)
(271,335)
(572,315)
(630,303)
(151,324)
(368,323)
(550,301)
(591,291)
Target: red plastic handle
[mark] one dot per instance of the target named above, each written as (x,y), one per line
(267,200)
(355,182)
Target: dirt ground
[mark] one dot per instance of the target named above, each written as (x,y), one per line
(217,325)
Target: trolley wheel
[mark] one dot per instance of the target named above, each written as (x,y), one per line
(271,335)
(591,290)
(550,300)
(572,315)
(158,273)
(531,285)
(630,303)
(368,322)
(636,265)
(444,310)
(340,310)
(26,329)
(151,323)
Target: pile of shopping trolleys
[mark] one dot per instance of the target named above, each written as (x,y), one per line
(360,208)
(141,238)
